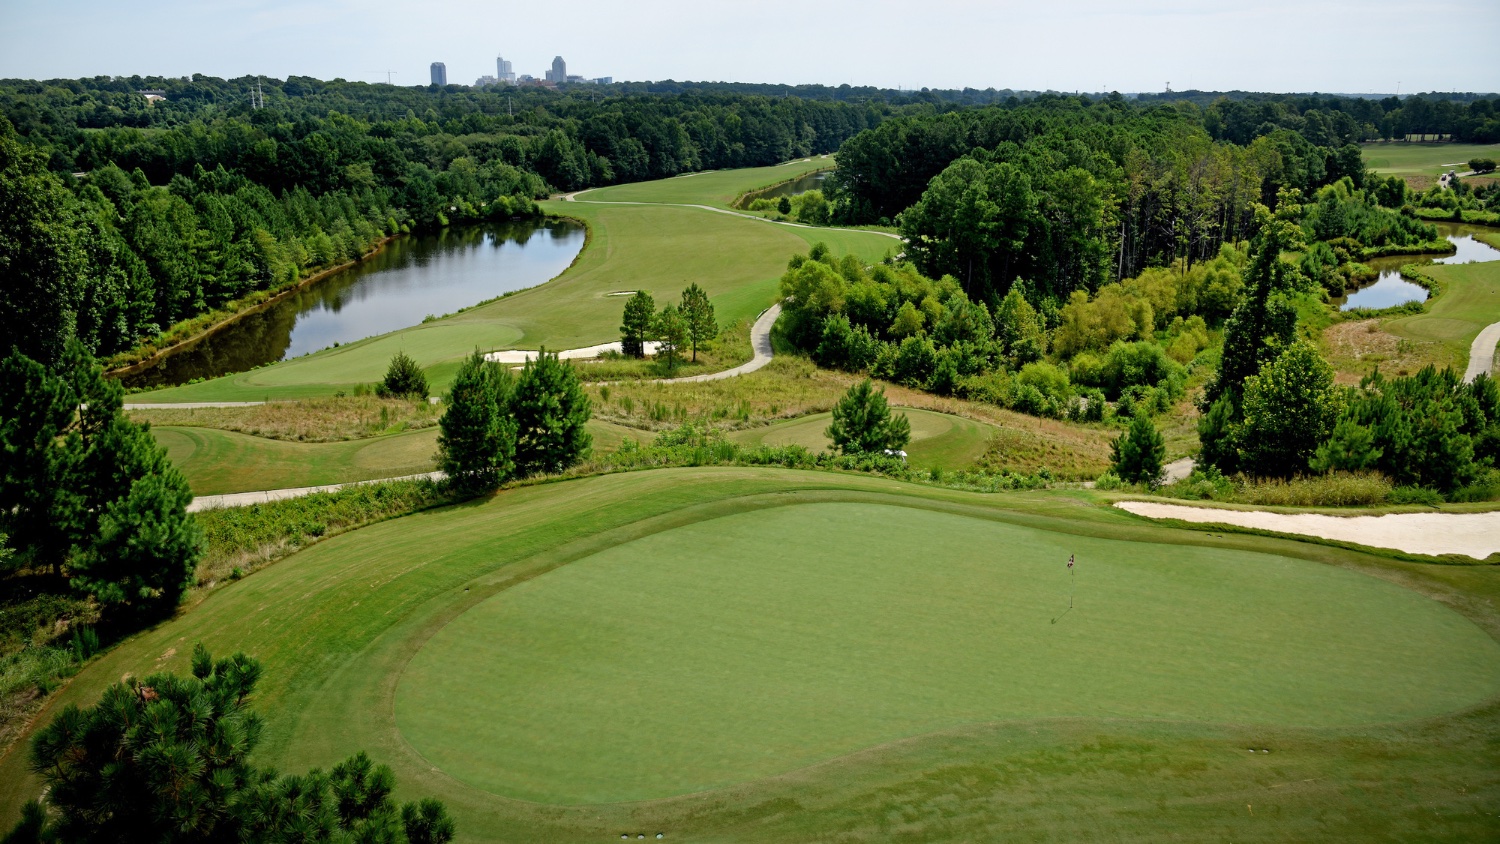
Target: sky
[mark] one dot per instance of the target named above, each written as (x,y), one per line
(1350,46)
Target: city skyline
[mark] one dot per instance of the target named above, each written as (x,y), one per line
(1068,45)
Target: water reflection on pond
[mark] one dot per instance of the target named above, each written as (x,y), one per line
(812,181)
(1391,289)
(397,287)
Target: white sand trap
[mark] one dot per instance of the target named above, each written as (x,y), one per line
(1474,535)
(523,355)
(623,293)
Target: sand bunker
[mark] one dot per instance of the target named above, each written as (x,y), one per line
(1474,535)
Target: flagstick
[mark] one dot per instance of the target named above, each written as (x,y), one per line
(1072,585)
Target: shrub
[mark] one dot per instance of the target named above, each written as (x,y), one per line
(1415,495)
(1338,489)
(863,422)
(403,378)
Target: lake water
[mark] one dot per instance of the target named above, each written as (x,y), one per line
(1390,289)
(812,181)
(411,278)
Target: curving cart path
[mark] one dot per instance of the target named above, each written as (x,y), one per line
(1482,353)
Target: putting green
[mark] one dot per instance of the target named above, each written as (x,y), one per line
(938,440)
(757,643)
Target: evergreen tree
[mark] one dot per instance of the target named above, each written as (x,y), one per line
(1263,323)
(671,333)
(864,424)
(477,438)
(1137,454)
(166,758)
(1216,432)
(1290,408)
(698,313)
(550,411)
(635,325)
(403,378)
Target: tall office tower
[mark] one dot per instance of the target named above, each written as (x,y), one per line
(559,71)
(503,71)
(439,73)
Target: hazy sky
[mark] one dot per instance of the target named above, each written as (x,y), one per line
(1268,45)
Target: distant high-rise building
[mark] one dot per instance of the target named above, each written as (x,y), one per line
(503,71)
(439,73)
(559,72)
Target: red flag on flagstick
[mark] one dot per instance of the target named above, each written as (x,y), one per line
(1070,561)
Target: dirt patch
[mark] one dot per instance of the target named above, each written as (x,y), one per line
(1356,348)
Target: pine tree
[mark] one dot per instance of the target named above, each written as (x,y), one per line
(1138,453)
(698,312)
(863,422)
(635,325)
(550,411)
(671,333)
(477,438)
(403,378)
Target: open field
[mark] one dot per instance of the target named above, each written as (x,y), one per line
(844,657)
(631,247)
(938,440)
(1419,159)
(217,461)
(1470,301)
(718,188)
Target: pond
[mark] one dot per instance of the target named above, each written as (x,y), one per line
(1390,289)
(397,287)
(812,181)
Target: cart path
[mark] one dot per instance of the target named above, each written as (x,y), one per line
(1482,353)
(265,496)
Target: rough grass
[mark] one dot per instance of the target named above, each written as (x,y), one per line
(310,421)
(938,440)
(791,387)
(217,462)
(717,188)
(335,624)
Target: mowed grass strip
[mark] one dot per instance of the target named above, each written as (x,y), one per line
(938,440)
(1424,159)
(754,644)
(1470,301)
(337,623)
(717,188)
(217,461)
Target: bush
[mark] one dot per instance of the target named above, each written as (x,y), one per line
(1415,495)
(403,378)
(863,422)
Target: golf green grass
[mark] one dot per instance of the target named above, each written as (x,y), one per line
(938,440)
(662,250)
(1470,300)
(1426,159)
(845,657)
(217,462)
(754,644)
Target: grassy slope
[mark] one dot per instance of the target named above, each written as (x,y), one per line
(1470,300)
(937,439)
(1417,159)
(718,188)
(349,613)
(631,247)
(217,461)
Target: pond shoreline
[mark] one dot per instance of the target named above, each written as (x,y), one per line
(238,310)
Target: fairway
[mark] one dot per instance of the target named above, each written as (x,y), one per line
(718,188)
(754,644)
(1424,159)
(1470,301)
(662,250)
(938,440)
(217,462)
